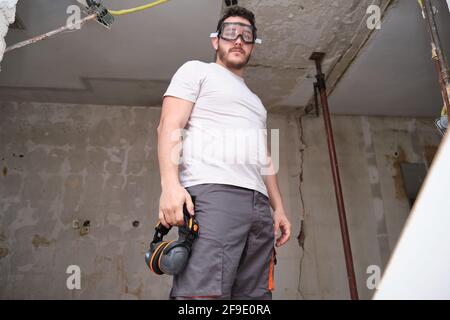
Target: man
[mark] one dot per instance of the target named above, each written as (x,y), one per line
(233,256)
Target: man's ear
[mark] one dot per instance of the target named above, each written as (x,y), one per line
(215,43)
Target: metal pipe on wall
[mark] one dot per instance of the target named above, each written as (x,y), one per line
(438,53)
(320,84)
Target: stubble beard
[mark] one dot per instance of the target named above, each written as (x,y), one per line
(232,65)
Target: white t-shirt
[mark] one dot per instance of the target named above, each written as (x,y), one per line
(225,138)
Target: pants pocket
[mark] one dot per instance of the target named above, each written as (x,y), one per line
(203,274)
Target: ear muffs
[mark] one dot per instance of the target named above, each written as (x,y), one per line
(153,258)
(174,257)
(170,257)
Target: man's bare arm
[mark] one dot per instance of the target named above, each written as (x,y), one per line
(174,116)
(280,220)
(271,181)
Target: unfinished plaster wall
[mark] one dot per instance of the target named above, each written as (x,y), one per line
(370,151)
(61,163)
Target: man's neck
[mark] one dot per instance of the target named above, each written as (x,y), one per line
(238,72)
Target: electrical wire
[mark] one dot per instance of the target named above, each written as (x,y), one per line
(420,3)
(66,28)
(136,9)
(52,33)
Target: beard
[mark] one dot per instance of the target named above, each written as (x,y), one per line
(231,64)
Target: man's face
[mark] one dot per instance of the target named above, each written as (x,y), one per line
(234,54)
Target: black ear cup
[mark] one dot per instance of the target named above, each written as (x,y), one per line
(168,257)
(153,257)
(174,257)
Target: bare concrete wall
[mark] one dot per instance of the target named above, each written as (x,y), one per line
(65,162)
(369,150)
(62,163)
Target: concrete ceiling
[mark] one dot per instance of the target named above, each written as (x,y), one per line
(394,73)
(132,63)
(129,64)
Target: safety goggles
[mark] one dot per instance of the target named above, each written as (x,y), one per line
(230,31)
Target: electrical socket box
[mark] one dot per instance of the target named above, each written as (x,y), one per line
(103,16)
(95,6)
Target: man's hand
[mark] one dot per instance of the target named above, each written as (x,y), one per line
(280,221)
(171,204)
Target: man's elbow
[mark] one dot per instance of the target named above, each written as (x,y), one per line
(162,126)
(168,127)
(159,128)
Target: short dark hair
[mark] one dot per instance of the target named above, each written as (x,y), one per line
(237,11)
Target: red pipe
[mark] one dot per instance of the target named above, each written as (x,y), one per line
(317,57)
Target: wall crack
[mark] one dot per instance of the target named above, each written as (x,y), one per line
(302,235)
